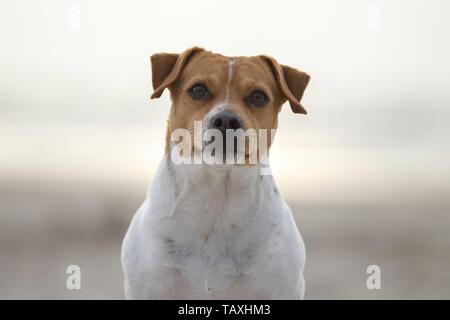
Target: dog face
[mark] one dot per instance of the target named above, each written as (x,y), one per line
(226,93)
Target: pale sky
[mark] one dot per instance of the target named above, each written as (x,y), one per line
(75,87)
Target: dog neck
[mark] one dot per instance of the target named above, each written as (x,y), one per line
(201,201)
(227,179)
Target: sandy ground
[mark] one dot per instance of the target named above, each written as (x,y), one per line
(45,229)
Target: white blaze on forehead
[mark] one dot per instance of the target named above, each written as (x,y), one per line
(230,76)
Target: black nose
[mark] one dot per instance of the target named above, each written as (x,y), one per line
(226,120)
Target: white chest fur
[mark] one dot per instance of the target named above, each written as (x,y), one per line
(213,233)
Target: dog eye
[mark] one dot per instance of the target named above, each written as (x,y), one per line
(199,92)
(257,98)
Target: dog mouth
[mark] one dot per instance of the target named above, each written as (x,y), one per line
(228,148)
(216,147)
(223,153)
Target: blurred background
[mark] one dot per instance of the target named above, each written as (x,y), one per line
(366,172)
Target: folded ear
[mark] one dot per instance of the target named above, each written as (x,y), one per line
(292,83)
(167,67)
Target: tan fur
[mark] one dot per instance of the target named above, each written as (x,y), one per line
(179,72)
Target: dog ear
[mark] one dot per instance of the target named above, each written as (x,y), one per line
(292,83)
(167,67)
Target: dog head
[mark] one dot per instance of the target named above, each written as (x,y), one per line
(226,93)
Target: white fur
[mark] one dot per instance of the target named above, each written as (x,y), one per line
(230,77)
(210,233)
(213,232)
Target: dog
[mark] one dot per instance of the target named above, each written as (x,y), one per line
(217,231)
